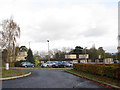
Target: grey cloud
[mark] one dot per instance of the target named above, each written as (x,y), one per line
(95,32)
(54,30)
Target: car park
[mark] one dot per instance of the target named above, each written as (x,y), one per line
(26,64)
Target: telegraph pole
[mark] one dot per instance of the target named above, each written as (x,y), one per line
(29,44)
(85,53)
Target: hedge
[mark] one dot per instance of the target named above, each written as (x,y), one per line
(108,70)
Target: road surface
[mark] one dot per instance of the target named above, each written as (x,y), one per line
(49,78)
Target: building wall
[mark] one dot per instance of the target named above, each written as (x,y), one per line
(108,60)
(21,56)
(70,56)
(83,56)
(22,53)
(42,62)
(73,56)
(75,61)
(83,61)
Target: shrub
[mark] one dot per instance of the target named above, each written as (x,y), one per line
(117,74)
(11,64)
(108,70)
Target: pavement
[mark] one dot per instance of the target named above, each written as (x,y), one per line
(49,78)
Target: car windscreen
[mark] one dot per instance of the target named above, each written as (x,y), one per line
(23,63)
(47,63)
(28,63)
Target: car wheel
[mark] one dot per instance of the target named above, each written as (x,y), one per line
(25,66)
(33,66)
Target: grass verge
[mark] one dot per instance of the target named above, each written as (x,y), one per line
(12,73)
(100,79)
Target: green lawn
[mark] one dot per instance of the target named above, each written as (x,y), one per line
(100,79)
(11,73)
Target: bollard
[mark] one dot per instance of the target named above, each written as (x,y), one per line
(7,66)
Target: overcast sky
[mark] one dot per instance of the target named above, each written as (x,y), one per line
(66,23)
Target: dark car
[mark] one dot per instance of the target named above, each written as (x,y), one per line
(58,65)
(66,64)
(116,61)
(26,64)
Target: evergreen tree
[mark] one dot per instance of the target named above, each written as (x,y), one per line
(30,57)
(77,51)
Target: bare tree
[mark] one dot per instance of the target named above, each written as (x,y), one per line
(66,49)
(43,54)
(10,32)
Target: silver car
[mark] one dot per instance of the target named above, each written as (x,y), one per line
(26,64)
(47,64)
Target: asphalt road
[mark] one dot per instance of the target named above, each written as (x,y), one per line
(49,78)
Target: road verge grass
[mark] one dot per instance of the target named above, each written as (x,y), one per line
(100,79)
(12,73)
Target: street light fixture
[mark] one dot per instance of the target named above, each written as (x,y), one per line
(48,51)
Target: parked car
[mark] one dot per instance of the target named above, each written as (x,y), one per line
(47,64)
(75,62)
(71,64)
(116,61)
(52,63)
(66,64)
(55,65)
(26,64)
(58,65)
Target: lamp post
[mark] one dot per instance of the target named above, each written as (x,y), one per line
(104,57)
(104,54)
(48,51)
(85,53)
(29,44)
